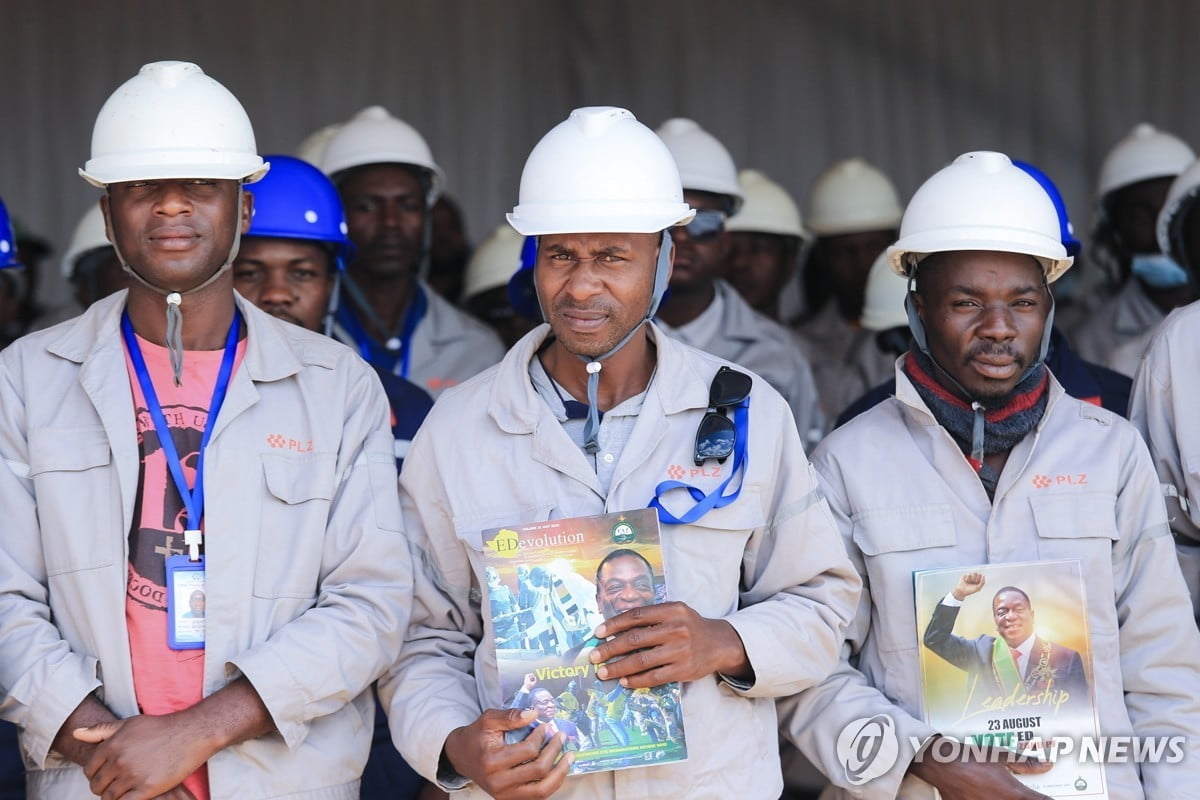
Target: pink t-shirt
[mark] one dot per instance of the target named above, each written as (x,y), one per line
(166,680)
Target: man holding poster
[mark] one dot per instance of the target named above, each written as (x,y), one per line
(981,458)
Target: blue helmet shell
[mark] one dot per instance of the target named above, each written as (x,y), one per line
(297,201)
(8,240)
(1066,230)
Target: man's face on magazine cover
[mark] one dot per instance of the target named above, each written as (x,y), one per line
(624,583)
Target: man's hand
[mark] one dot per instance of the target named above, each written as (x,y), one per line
(970,780)
(530,682)
(522,771)
(143,757)
(968,585)
(89,712)
(147,756)
(667,642)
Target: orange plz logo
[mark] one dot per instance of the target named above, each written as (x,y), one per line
(281,442)
(1068,479)
(677,473)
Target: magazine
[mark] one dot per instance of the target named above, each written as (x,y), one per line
(1011,667)
(549,585)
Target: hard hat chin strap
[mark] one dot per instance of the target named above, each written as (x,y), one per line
(662,272)
(174,341)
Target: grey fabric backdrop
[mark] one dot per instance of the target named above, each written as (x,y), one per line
(788,86)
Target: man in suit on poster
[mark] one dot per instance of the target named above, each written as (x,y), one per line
(1018,657)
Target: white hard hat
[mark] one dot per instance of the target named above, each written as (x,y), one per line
(373,136)
(704,163)
(172,121)
(89,235)
(599,171)
(851,197)
(1144,153)
(1180,196)
(313,146)
(493,262)
(767,208)
(883,299)
(981,202)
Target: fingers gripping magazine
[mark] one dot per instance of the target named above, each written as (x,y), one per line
(1006,663)
(549,585)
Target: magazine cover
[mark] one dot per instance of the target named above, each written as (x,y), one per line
(1006,661)
(549,585)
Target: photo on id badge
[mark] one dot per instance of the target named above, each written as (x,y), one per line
(186,603)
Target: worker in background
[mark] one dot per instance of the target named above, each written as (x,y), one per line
(1164,391)
(765,237)
(703,310)
(853,214)
(1133,184)
(388,182)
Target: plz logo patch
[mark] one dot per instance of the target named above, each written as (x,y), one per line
(280,442)
(1068,479)
(677,473)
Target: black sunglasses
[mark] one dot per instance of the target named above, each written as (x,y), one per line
(706,225)
(717,435)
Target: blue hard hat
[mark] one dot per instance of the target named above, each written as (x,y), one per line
(521,293)
(297,201)
(8,240)
(1066,230)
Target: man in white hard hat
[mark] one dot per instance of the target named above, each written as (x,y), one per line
(853,213)
(485,285)
(174,438)
(979,460)
(1134,180)
(757,573)
(765,236)
(702,309)
(1163,400)
(389,182)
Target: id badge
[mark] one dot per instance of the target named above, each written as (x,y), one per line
(186,603)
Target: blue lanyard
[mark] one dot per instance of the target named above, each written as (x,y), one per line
(717,498)
(412,318)
(367,345)
(193,500)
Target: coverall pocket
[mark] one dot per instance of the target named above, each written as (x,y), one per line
(75,486)
(294,517)
(1081,526)
(895,543)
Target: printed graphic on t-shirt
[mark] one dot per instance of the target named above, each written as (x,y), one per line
(158,506)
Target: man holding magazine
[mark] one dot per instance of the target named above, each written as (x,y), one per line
(599,412)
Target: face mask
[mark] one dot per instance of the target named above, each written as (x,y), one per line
(1159,271)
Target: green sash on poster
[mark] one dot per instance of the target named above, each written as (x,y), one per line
(1004,668)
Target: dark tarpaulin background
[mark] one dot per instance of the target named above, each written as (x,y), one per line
(788,86)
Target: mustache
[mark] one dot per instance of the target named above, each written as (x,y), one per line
(1001,350)
(567,304)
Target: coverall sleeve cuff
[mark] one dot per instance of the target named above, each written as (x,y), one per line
(774,672)
(63,689)
(280,692)
(429,759)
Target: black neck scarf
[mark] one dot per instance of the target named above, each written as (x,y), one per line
(1004,425)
